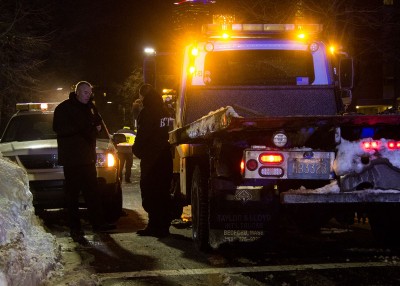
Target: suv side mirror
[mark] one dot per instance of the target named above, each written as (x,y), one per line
(119,138)
(346,73)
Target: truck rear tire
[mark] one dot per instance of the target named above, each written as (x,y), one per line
(200,210)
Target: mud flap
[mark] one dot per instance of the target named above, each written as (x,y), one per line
(242,215)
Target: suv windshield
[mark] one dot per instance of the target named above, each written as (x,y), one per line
(30,127)
(259,67)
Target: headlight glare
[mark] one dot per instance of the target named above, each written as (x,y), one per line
(105,160)
(110,160)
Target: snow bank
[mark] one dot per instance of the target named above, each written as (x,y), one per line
(27,252)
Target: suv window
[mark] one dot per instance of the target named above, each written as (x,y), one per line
(29,127)
(39,126)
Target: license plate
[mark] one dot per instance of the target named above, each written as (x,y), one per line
(300,168)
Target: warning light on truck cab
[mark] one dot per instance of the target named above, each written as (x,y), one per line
(195,51)
(301,35)
(225,36)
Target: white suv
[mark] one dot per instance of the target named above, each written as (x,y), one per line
(29,141)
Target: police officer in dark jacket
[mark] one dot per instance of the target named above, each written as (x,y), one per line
(152,148)
(77,122)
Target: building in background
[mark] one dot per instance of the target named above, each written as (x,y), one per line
(189,15)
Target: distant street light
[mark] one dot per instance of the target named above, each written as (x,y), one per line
(149,51)
(149,66)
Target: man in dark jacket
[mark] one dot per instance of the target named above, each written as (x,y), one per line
(77,122)
(152,148)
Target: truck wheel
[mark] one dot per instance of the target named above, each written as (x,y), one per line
(385,225)
(112,203)
(200,210)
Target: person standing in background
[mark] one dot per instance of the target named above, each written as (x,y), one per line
(136,107)
(125,154)
(154,151)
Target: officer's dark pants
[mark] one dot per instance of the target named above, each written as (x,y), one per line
(125,160)
(82,178)
(155,183)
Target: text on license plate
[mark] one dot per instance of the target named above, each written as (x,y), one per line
(308,168)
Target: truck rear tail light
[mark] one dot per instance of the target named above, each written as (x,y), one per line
(251,165)
(393,145)
(271,172)
(370,145)
(269,158)
(242,167)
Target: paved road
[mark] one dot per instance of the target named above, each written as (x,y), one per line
(336,256)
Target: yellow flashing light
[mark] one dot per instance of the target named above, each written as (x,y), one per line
(195,52)
(332,49)
(225,36)
(168,90)
(301,36)
(215,30)
(192,70)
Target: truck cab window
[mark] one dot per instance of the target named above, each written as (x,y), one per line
(259,67)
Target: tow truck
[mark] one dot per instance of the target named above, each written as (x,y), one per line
(262,137)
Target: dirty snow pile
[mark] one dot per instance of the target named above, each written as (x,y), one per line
(350,153)
(28,253)
(349,160)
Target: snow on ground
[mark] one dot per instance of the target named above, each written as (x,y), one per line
(28,253)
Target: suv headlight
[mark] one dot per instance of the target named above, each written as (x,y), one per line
(105,160)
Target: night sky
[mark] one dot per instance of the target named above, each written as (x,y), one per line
(102,41)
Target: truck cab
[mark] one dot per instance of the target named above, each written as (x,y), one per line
(261,70)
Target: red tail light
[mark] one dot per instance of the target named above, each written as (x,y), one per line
(393,145)
(270,158)
(251,165)
(376,145)
(371,145)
